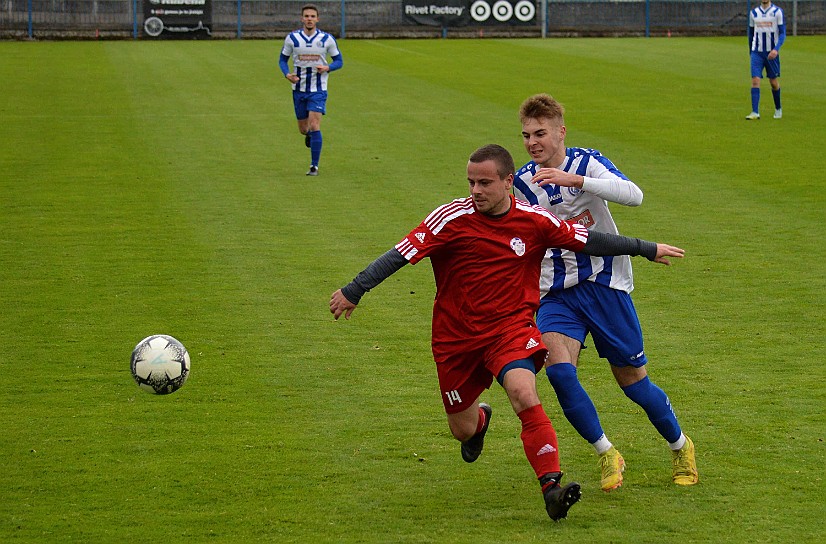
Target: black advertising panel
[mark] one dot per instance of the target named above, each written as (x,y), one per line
(180,19)
(447,13)
(436,12)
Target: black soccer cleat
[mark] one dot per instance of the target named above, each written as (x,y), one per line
(307,140)
(558,499)
(472,447)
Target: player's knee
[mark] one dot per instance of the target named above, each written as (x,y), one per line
(561,375)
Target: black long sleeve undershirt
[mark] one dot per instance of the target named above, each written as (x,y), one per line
(599,244)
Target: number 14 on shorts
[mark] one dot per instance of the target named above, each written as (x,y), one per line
(453,397)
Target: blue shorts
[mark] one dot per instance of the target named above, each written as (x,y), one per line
(304,103)
(607,314)
(759,61)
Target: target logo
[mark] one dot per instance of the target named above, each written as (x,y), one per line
(502,10)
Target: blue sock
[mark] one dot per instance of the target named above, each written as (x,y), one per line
(755,99)
(655,402)
(315,146)
(776,96)
(575,402)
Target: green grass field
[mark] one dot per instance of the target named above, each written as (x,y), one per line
(159,188)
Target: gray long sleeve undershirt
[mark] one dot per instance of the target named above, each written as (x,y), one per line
(379,270)
(599,244)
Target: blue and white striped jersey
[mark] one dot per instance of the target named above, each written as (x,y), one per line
(587,206)
(767,29)
(308,52)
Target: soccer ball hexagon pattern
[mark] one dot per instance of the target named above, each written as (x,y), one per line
(160,364)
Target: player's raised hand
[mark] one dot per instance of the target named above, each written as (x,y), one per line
(665,250)
(340,305)
(555,176)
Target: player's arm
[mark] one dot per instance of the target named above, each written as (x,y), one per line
(344,300)
(613,188)
(781,36)
(602,179)
(283,63)
(601,244)
(338,62)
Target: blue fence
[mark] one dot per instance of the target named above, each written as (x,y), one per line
(237,19)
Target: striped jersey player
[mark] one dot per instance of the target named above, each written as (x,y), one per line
(486,252)
(586,206)
(767,33)
(589,295)
(309,48)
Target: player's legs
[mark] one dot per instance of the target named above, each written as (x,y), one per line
(462,379)
(773,73)
(637,386)
(632,377)
(515,359)
(468,420)
(463,425)
(758,62)
(617,335)
(538,437)
(301,113)
(316,107)
(314,133)
(538,434)
(563,332)
(657,406)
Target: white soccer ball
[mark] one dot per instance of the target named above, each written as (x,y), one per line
(160,364)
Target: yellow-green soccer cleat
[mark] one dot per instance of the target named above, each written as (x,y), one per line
(612,466)
(684,464)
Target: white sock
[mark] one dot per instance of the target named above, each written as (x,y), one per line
(678,445)
(602,444)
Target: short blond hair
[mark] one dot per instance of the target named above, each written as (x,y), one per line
(542,106)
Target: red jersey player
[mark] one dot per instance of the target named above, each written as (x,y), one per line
(486,251)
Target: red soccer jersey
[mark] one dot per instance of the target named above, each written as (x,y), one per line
(486,268)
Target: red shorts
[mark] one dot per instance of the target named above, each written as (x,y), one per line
(464,375)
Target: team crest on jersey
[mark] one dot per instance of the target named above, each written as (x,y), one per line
(518,246)
(420,237)
(574,190)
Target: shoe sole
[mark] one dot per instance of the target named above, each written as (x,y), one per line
(571,494)
(688,482)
